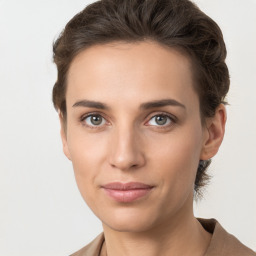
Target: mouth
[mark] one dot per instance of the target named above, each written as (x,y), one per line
(127,192)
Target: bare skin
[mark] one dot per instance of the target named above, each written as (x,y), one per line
(115,132)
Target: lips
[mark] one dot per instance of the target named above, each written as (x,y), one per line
(127,192)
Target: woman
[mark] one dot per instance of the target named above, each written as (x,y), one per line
(141,92)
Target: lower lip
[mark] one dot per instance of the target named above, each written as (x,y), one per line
(127,196)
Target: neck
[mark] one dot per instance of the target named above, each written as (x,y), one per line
(180,235)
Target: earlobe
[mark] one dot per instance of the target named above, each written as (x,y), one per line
(215,129)
(63,135)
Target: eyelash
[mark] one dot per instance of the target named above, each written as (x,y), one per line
(82,119)
(172,119)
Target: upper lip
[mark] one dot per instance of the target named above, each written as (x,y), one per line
(126,186)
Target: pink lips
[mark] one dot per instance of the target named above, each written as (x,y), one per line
(126,192)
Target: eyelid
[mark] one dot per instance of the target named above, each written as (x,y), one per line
(83,116)
(94,113)
(172,117)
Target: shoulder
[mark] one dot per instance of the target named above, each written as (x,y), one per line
(223,243)
(92,249)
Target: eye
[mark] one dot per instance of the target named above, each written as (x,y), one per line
(161,120)
(94,120)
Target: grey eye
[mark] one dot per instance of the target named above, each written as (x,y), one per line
(94,120)
(160,120)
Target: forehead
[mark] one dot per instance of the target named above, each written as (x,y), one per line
(130,72)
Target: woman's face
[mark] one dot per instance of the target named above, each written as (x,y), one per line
(134,133)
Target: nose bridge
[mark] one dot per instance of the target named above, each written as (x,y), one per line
(126,151)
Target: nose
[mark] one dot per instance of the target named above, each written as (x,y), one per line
(126,150)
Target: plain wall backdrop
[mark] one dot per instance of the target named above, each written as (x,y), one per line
(41,210)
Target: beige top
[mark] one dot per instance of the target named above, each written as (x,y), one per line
(222,243)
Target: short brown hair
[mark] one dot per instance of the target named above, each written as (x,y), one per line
(178,24)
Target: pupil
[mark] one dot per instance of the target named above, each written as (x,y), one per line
(161,120)
(96,120)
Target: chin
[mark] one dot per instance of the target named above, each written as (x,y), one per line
(127,220)
(134,227)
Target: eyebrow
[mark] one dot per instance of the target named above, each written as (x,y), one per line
(161,103)
(143,106)
(91,104)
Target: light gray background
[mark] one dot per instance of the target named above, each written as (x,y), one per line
(41,210)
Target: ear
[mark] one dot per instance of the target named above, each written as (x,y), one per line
(63,134)
(214,133)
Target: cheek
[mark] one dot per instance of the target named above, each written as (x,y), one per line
(87,155)
(176,159)
(86,149)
